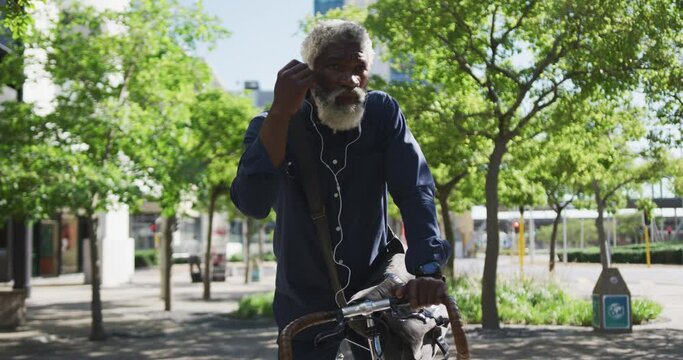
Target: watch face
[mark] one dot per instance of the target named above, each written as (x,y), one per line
(430,268)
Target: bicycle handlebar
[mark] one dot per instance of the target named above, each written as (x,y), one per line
(366,308)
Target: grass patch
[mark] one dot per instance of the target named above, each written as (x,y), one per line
(255,306)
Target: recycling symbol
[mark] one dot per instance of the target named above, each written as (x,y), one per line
(616,311)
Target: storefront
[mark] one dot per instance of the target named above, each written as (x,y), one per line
(57,245)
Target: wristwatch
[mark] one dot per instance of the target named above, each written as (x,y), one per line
(430,269)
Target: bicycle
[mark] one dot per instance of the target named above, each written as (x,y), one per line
(364,311)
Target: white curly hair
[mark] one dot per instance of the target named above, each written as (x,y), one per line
(326,32)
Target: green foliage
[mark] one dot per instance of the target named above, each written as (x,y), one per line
(146,258)
(115,89)
(466,291)
(268,256)
(253,306)
(645,310)
(455,157)
(217,124)
(678,177)
(346,12)
(14,15)
(521,301)
(34,174)
(571,49)
(530,302)
(236,258)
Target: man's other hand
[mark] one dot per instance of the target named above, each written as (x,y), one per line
(422,291)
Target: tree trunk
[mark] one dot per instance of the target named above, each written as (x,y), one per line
(599,224)
(97,327)
(602,237)
(169,223)
(261,240)
(207,254)
(59,219)
(553,240)
(443,192)
(488,288)
(246,241)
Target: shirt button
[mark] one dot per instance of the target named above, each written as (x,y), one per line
(338,228)
(336,195)
(335,161)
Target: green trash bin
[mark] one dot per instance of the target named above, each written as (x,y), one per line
(612,303)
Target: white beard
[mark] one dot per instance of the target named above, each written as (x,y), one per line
(339,117)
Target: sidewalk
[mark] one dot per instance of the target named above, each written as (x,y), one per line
(59,323)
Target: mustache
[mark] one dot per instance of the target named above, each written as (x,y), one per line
(345,91)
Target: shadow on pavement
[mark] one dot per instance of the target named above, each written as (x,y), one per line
(575,343)
(196,337)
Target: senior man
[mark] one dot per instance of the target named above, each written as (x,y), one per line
(362,149)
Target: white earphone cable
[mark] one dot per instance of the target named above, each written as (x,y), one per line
(338,188)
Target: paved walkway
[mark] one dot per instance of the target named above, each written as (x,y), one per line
(59,321)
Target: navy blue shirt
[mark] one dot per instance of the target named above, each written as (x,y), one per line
(364,162)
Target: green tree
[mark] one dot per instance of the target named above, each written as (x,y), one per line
(217,124)
(166,86)
(520,58)
(616,167)
(106,65)
(33,172)
(452,155)
(558,164)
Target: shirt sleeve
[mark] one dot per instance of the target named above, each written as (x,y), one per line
(411,185)
(254,189)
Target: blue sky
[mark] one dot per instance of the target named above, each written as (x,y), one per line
(265,37)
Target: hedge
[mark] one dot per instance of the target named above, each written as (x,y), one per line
(146,258)
(660,253)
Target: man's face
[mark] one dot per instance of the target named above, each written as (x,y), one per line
(341,74)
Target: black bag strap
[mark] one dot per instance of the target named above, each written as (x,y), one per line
(303,154)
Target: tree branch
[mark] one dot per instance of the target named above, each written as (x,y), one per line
(459,117)
(551,57)
(527,10)
(492,41)
(460,59)
(538,105)
(611,192)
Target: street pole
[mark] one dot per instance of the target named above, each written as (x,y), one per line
(532,237)
(581,233)
(520,245)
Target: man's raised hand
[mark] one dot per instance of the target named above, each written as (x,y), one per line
(293,81)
